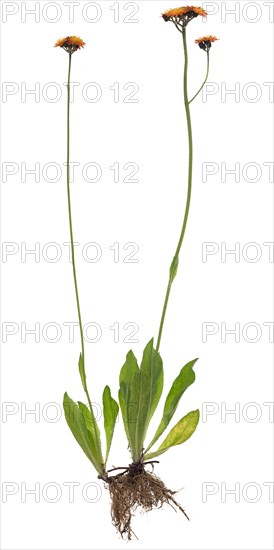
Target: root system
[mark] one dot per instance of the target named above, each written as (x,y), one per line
(137,488)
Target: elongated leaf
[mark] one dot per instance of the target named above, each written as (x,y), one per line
(179,386)
(151,388)
(129,396)
(77,423)
(81,367)
(89,417)
(179,434)
(93,428)
(110,414)
(140,391)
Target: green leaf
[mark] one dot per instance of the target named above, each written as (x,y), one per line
(174,268)
(82,372)
(179,386)
(92,427)
(111,410)
(78,422)
(152,379)
(140,391)
(179,434)
(89,417)
(129,395)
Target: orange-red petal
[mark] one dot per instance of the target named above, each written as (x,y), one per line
(208,38)
(177,12)
(70,40)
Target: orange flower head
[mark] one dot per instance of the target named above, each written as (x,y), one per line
(70,44)
(205,42)
(182,16)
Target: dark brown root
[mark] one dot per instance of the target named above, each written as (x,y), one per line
(133,488)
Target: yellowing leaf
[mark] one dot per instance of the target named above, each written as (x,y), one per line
(179,434)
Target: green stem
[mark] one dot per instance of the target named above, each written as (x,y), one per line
(207,71)
(174,264)
(72,242)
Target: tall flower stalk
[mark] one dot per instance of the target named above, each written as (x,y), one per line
(82,355)
(175,262)
(181,17)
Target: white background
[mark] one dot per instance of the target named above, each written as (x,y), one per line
(227,449)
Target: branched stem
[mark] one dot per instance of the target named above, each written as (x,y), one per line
(174,264)
(207,71)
